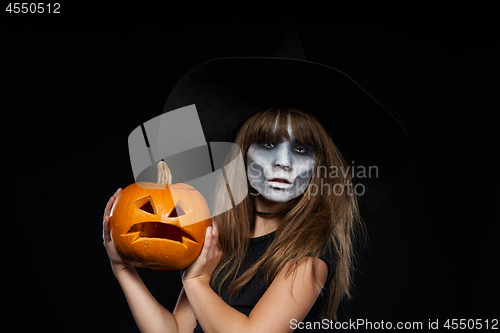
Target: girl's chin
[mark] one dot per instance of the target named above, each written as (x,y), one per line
(278,195)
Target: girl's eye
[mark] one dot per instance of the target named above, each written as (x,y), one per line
(268,145)
(300,149)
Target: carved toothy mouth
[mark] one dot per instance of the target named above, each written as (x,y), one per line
(159,230)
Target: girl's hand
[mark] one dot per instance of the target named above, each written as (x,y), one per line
(204,266)
(114,257)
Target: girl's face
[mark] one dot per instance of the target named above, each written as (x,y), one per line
(280,171)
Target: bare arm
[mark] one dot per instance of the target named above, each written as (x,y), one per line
(148,313)
(274,310)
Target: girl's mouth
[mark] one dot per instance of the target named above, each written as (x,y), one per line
(281,182)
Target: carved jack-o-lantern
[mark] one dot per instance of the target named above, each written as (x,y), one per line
(159,225)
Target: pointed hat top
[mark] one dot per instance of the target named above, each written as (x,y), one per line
(290,47)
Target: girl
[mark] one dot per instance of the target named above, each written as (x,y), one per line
(282,257)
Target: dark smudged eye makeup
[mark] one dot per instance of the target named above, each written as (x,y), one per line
(300,149)
(268,145)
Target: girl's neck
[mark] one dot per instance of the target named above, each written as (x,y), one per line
(265,224)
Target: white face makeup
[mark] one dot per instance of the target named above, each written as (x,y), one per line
(280,171)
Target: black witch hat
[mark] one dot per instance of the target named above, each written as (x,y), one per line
(228,91)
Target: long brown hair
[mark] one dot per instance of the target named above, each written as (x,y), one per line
(326,214)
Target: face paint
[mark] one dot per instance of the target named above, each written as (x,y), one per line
(280,171)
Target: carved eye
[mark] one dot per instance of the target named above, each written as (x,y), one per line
(146,204)
(181,208)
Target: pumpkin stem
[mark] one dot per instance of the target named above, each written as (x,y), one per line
(164,175)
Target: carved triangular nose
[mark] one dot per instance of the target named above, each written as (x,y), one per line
(290,46)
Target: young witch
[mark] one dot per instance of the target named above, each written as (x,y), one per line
(282,256)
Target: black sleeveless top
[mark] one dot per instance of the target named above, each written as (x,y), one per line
(246,299)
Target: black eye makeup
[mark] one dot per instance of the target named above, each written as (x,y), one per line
(268,145)
(300,149)
(296,146)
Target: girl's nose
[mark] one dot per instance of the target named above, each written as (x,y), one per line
(283,158)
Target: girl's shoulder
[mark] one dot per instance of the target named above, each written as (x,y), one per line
(330,257)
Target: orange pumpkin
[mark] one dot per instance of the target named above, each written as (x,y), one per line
(159,225)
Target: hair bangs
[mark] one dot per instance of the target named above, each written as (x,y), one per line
(269,126)
(276,124)
(303,129)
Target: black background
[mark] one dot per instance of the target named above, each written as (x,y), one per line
(75,84)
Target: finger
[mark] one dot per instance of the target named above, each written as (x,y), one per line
(110,203)
(117,192)
(208,243)
(105,230)
(214,240)
(215,231)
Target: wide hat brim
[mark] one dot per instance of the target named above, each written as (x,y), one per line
(228,91)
